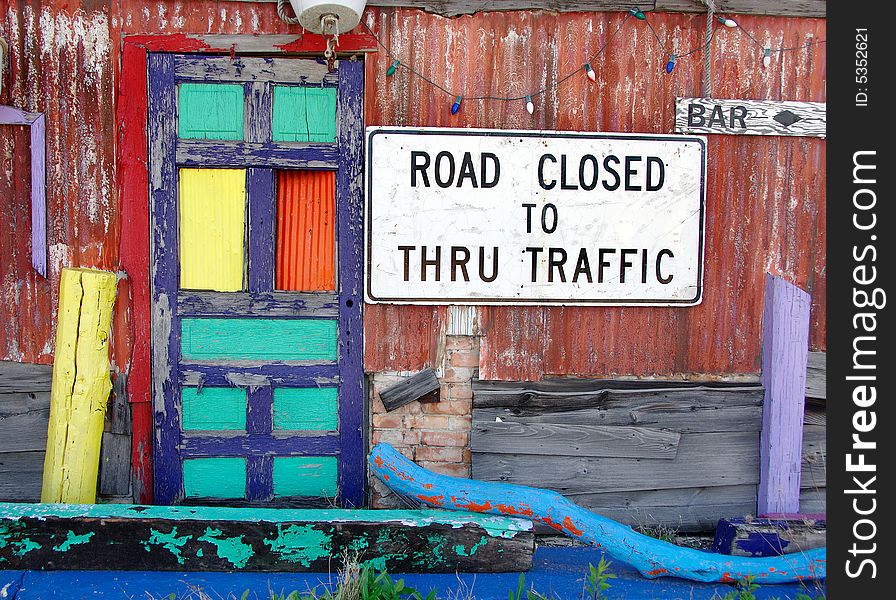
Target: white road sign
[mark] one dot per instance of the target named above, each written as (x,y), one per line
(465,216)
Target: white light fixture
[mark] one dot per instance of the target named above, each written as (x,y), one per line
(328,18)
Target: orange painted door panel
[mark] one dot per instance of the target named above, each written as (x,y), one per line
(306,249)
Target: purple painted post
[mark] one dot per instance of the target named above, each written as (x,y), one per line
(785,352)
(9,115)
(38,196)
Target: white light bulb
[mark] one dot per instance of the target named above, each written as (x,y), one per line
(529,105)
(730,23)
(767,58)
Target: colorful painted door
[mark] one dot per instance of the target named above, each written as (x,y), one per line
(256,217)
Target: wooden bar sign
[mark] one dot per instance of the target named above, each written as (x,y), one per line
(750,117)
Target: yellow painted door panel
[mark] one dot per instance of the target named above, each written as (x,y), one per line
(212,229)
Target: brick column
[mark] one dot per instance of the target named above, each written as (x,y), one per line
(435,435)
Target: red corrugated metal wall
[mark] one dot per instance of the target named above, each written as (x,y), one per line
(766,196)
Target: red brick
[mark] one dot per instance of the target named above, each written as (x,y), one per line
(433,453)
(430,422)
(445,468)
(394,437)
(458,374)
(464,359)
(450,407)
(460,423)
(460,391)
(461,342)
(443,438)
(389,421)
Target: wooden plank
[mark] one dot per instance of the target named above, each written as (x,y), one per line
(575,394)
(304,114)
(768,537)
(256,304)
(452,8)
(750,117)
(213,408)
(25,377)
(211,111)
(258,376)
(115,464)
(253,68)
(20,476)
(123,537)
(681,417)
(682,510)
(424,383)
(813,471)
(549,439)
(262,339)
(814,416)
(813,501)
(118,413)
(215,477)
(785,348)
(233,444)
(81,386)
(23,421)
(816,375)
(703,460)
(306,409)
(212,228)
(258,154)
(313,476)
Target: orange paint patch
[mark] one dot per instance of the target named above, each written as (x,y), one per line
(386,477)
(550,523)
(427,486)
(432,500)
(509,509)
(657,572)
(473,507)
(378,461)
(727,578)
(570,527)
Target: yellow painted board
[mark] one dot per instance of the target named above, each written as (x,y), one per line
(81,386)
(212,229)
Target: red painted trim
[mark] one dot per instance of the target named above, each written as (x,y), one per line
(217,44)
(133,193)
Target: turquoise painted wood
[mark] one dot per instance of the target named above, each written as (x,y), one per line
(215,478)
(210,111)
(306,409)
(313,476)
(304,114)
(213,409)
(259,339)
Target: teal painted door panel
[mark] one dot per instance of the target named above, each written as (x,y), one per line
(313,476)
(303,409)
(213,409)
(215,478)
(304,114)
(210,111)
(259,339)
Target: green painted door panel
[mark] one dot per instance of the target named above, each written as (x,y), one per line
(210,111)
(303,409)
(313,476)
(259,339)
(304,114)
(215,477)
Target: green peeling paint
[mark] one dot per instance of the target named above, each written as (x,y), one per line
(306,409)
(214,409)
(210,111)
(24,547)
(259,339)
(301,544)
(168,541)
(460,550)
(72,540)
(304,114)
(232,549)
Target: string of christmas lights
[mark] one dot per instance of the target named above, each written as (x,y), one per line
(586,68)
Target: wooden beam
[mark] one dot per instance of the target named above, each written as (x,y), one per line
(422,385)
(785,350)
(452,8)
(203,538)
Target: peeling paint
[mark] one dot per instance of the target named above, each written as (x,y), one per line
(301,544)
(168,541)
(232,549)
(73,539)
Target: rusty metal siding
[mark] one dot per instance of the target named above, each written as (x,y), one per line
(766,196)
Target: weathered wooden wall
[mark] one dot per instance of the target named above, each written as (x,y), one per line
(24,413)
(765,201)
